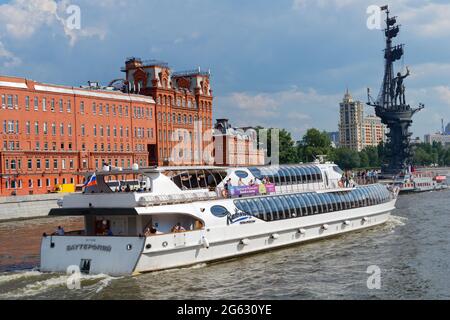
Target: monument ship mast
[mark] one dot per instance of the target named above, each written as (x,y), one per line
(391,104)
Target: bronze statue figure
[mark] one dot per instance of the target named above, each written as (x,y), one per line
(400,91)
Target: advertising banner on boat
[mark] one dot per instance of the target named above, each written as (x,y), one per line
(255,190)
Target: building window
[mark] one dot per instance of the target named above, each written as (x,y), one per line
(61,129)
(69,106)
(36,104)
(30,164)
(54,129)
(38,164)
(55,164)
(27,102)
(69,130)
(94,108)
(82,107)
(61,105)
(44,104)
(36,128)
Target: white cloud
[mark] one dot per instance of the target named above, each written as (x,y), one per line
(10,60)
(301,4)
(431,20)
(21,19)
(295,110)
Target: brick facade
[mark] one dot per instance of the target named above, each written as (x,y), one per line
(49,133)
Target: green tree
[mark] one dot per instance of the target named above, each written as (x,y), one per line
(373,158)
(346,158)
(314,143)
(288,153)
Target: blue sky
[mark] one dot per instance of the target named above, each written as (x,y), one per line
(284,63)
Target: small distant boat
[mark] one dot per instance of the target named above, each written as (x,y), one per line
(420,182)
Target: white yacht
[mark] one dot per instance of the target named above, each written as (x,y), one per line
(186,216)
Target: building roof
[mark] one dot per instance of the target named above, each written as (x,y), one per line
(22,83)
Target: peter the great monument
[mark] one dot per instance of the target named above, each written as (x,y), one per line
(391,105)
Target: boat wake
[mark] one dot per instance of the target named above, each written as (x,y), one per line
(21,287)
(395,221)
(9,277)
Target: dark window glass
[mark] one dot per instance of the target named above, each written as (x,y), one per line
(261,209)
(241,174)
(219,211)
(267,209)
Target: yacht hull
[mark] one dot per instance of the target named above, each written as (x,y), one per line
(126,256)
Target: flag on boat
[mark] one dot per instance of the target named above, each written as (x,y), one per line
(92,181)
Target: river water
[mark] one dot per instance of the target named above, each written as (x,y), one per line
(412,251)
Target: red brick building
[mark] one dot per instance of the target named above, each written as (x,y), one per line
(50,132)
(236,146)
(184,103)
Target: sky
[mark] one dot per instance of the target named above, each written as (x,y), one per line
(284,63)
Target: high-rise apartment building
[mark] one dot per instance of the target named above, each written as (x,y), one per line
(357,131)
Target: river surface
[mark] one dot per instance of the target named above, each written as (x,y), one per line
(412,251)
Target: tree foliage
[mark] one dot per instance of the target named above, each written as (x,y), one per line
(315,143)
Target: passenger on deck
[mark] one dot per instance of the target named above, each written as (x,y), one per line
(128,188)
(178,228)
(241,183)
(151,231)
(109,233)
(59,231)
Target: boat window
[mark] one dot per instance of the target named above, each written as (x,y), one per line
(277,215)
(246,207)
(241,174)
(256,173)
(292,175)
(309,205)
(361,198)
(267,209)
(219,211)
(286,206)
(342,201)
(329,202)
(323,202)
(298,175)
(335,202)
(366,196)
(261,208)
(256,210)
(349,199)
(280,207)
(338,170)
(300,207)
